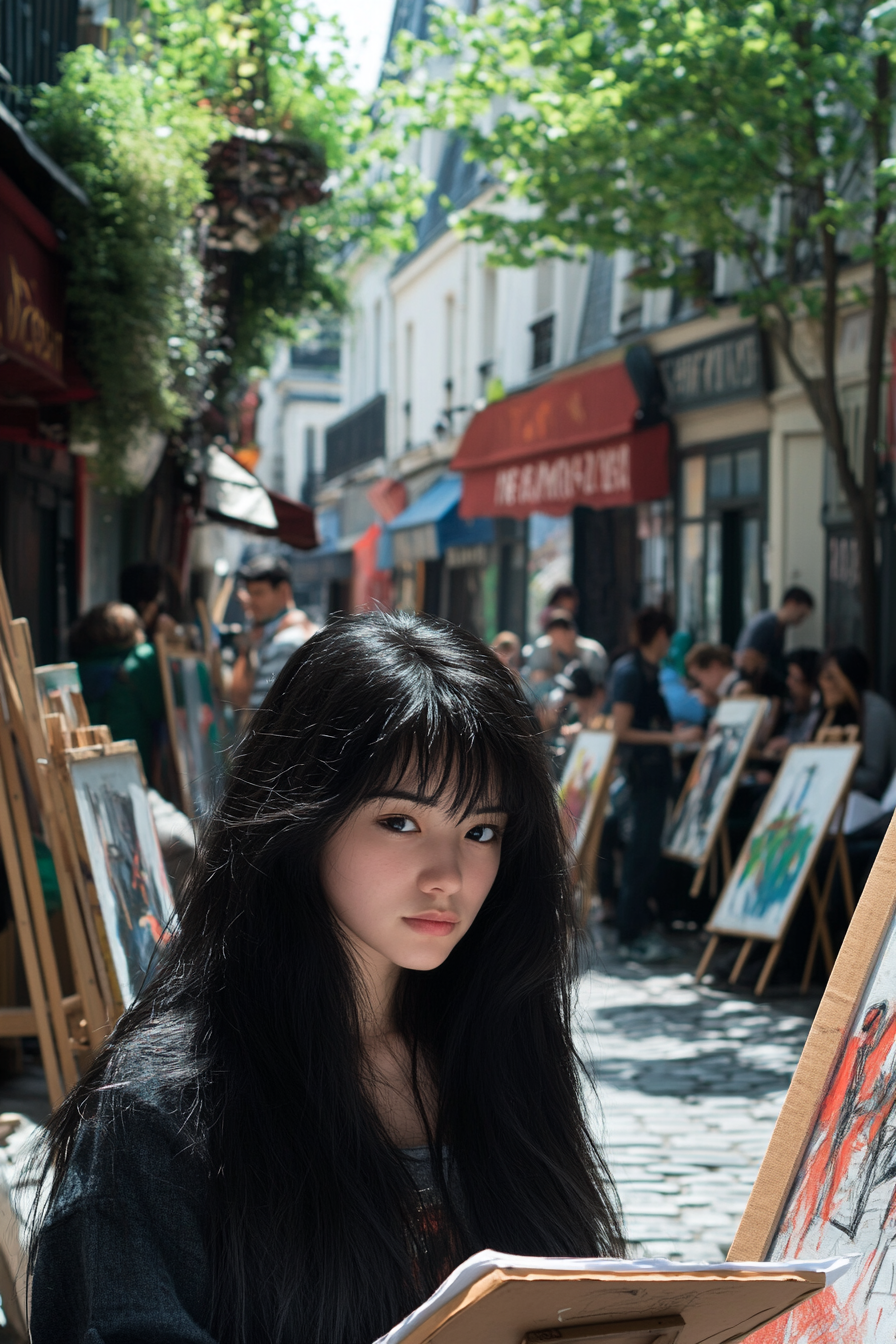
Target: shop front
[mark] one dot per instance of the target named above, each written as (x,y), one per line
(715,391)
(38,379)
(444,564)
(589,448)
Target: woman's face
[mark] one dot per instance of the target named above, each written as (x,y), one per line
(406,878)
(832,684)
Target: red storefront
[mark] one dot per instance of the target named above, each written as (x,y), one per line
(39,481)
(578,445)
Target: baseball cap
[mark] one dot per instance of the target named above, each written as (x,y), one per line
(576,680)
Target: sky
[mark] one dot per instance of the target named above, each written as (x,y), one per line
(367,26)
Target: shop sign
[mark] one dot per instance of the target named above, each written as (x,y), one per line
(31,305)
(725,368)
(629,472)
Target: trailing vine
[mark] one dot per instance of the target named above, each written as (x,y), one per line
(228,162)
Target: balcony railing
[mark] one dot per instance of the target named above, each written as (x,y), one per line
(357,438)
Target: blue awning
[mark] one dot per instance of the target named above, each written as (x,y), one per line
(426,528)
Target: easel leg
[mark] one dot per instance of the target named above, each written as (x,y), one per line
(849,897)
(706,958)
(774,953)
(741,961)
(697,882)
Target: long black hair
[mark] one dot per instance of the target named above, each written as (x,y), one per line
(253,1012)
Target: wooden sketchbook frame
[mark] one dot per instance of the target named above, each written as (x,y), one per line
(809,878)
(719,836)
(830,1030)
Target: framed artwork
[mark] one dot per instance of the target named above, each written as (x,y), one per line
(198,727)
(585,784)
(778,855)
(827,1185)
(132,896)
(710,785)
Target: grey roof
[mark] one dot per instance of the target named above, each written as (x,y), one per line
(459,182)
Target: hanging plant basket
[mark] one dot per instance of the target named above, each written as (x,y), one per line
(257,180)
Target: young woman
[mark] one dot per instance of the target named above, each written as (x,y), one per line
(353,1067)
(844,682)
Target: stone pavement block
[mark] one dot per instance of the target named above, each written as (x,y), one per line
(690,1080)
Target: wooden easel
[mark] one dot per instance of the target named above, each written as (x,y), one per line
(718,851)
(584,869)
(821,933)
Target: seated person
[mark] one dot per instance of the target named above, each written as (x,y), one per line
(583,697)
(711,666)
(561,644)
(683,703)
(844,682)
(801,707)
(119,674)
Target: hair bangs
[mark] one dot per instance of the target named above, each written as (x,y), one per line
(439,749)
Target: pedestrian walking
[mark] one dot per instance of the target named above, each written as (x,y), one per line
(645,733)
(277,628)
(764,634)
(353,1066)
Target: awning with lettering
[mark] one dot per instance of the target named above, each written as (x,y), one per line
(569,442)
(32,300)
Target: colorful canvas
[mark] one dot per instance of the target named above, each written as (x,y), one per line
(844,1199)
(585,770)
(761,892)
(713,779)
(199,728)
(126,862)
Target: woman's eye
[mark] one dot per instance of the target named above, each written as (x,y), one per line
(483,834)
(403,825)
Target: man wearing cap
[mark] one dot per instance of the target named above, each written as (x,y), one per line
(277,628)
(560,645)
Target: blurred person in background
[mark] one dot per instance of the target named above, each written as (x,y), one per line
(683,704)
(802,709)
(122,687)
(142,586)
(711,666)
(844,682)
(119,673)
(561,644)
(276,628)
(644,729)
(507,646)
(765,633)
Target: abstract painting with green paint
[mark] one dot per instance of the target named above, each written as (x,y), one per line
(781,848)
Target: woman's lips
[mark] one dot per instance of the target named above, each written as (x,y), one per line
(437,925)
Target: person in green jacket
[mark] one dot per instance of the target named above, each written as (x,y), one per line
(119,675)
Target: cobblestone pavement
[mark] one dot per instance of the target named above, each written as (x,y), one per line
(690,1079)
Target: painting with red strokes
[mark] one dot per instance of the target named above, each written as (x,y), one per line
(844,1199)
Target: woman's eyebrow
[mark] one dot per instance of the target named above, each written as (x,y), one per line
(432,800)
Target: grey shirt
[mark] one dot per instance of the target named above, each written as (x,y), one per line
(274,652)
(878,760)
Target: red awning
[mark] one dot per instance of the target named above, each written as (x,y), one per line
(570,441)
(296,524)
